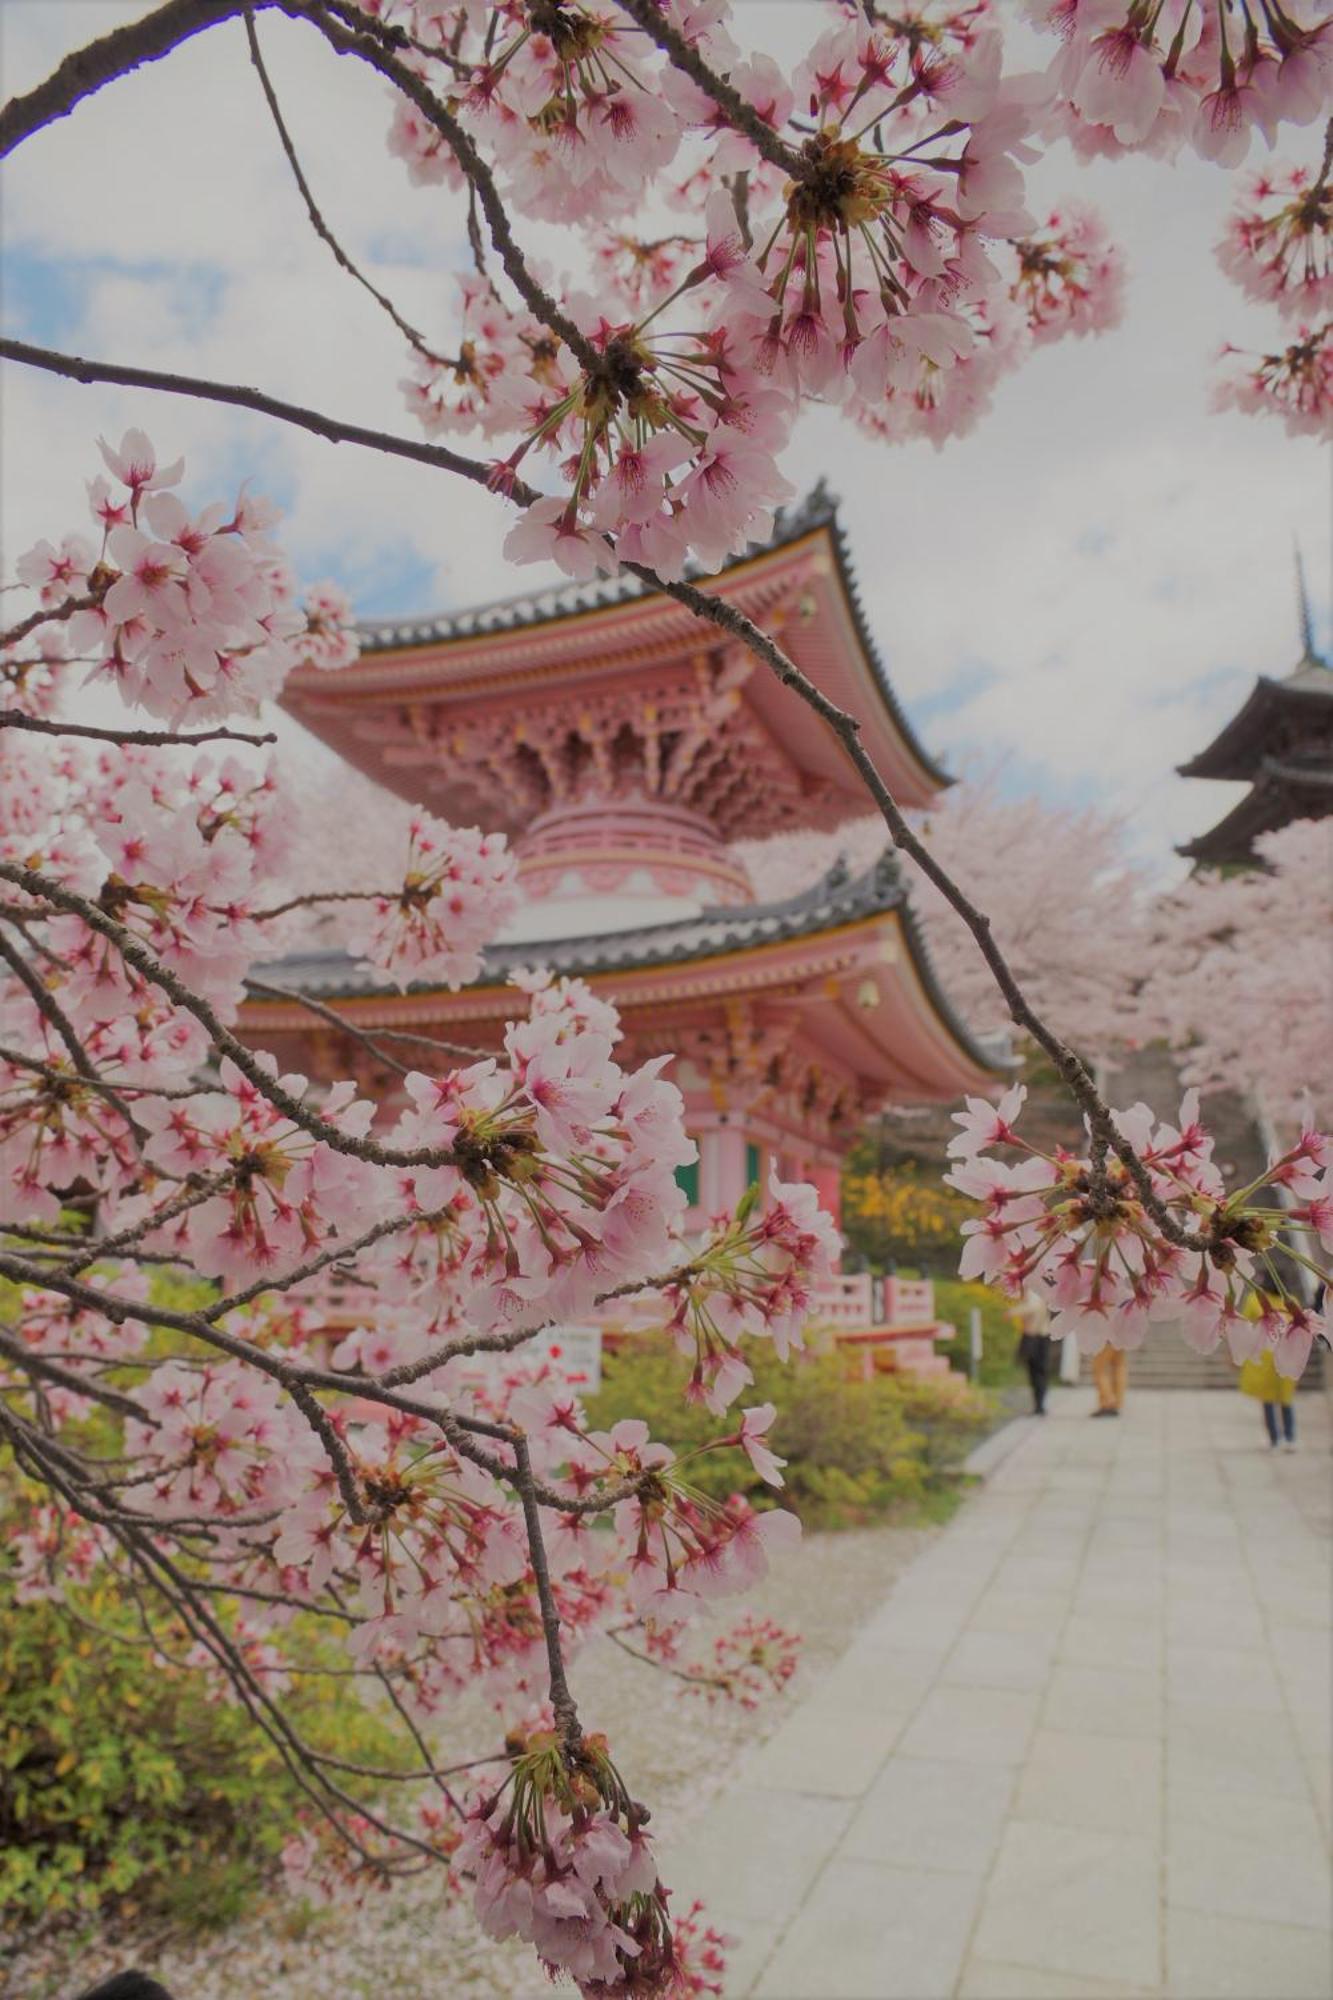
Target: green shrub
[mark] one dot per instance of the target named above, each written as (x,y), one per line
(123,1785)
(856,1450)
(1000,1367)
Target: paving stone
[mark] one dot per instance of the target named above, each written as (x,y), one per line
(1020,1611)
(926,1813)
(1228,1749)
(1110,1639)
(1038,1576)
(984,1979)
(999,1660)
(749,1947)
(1286,1819)
(1080,1753)
(827,1747)
(972,1726)
(1212,1676)
(1226,1871)
(878,1675)
(1112,1701)
(1071,1901)
(756,1852)
(870,1932)
(1226,1958)
(1110,1784)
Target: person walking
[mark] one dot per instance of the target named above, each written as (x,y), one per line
(1259,1378)
(1110,1373)
(1033,1318)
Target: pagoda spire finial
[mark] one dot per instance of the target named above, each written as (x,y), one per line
(1303,607)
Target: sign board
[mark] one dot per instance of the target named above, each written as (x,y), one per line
(576,1353)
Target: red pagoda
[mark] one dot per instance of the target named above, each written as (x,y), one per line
(622,747)
(1280,743)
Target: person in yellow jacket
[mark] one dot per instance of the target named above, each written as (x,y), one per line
(1259,1378)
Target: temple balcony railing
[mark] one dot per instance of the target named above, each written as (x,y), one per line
(890,1323)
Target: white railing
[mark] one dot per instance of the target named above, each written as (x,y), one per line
(850,1301)
(909,1302)
(845,1301)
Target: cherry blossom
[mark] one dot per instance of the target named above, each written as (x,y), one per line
(1119,1252)
(273,1337)
(1130,77)
(458,888)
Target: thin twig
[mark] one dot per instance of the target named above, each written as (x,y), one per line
(317,222)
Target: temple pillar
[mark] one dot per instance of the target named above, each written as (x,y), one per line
(721,1168)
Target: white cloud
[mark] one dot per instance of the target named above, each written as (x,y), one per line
(1098,571)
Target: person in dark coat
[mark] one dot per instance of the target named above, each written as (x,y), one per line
(1034,1348)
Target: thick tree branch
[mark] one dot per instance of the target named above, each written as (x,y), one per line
(75,369)
(17,718)
(42,616)
(124,50)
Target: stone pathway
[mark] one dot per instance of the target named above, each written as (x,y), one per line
(1081,1750)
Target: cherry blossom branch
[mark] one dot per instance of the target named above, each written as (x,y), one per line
(461,1432)
(52,1074)
(74,368)
(317,221)
(136,954)
(193,1195)
(311,897)
(56,616)
(562,1701)
(51,1010)
(267,991)
(67,1378)
(87,70)
(845,726)
(691,1678)
(17,718)
(737,110)
(375,43)
(371,1043)
(848,731)
(370,45)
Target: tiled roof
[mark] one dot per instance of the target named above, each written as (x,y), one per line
(567,600)
(837,898)
(819,509)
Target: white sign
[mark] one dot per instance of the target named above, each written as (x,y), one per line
(576,1353)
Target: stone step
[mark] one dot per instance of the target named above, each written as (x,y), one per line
(1167,1363)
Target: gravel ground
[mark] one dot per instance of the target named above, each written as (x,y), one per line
(675,1750)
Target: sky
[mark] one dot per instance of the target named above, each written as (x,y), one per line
(1085,586)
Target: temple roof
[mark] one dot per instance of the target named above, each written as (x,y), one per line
(474,714)
(1281,741)
(568,599)
(819,509)
(1281,792)
(1273,709)
(837,901)
(1276,714)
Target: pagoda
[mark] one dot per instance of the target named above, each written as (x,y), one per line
(622,747)
(1280,742)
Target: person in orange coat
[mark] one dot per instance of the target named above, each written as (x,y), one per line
(1110,1373)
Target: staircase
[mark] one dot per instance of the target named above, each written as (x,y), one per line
(1165,1362)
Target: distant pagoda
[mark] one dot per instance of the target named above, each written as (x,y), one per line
(1280,743)
(623,747)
